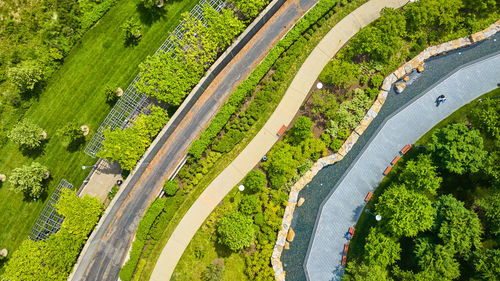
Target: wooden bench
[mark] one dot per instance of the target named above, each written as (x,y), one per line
(387,170)
(344,260)
(281,131)
(405,149)
(395,160)
(368,196)
(346,247)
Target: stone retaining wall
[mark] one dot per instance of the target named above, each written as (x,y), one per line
(400,73)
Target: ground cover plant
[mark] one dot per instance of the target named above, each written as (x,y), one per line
(75,92)
(458,239)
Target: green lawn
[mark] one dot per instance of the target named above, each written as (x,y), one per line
(75,91)
(465,188)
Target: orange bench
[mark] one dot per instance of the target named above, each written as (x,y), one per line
(281,131)
(395,160)
(351,230)
(405,149)
(346,247)
(368,196)
(387,170)
(344,260)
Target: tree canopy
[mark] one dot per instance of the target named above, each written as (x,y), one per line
(407,212)
(458,149)
(487,263)
(421,175)
(302,129)
(25,75)
(236,231)
(26,134)
(491,206)
(28,179)
(381,249)
(254,181)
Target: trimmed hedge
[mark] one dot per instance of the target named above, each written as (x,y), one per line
(247,87)
(127,271)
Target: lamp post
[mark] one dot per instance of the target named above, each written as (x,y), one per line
(86,167)
(241,187)
(377,217)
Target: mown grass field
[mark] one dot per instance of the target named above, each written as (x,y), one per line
(75,92)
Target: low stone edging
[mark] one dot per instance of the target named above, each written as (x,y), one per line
(400,73)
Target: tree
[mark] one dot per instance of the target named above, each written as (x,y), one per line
(302,129)
(491,206)
(434,17)
(487,116)
(366,272)
(341,73)
(281,164)
(459,228)
(110,94)
(488,264)
(236,231)
(25,75)
(80,214)
(72,131)
(480,6)
(222,27)
(28,179)
(381,249)
(437,261)
(408,212)
(250,8)
(421,175)
(255,181)
(170,187)
(250,204)
(150,4)
(458,149)
(131,29)
(27,134)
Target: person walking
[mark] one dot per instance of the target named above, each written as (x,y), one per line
(440,99)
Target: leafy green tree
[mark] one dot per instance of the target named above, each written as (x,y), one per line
(236,231)
(480,6)
(170,187)
(488,264)
(341,73)
(491,206)
(25,75)
(150,4)
(28,179)
(255,181)
(312,149)
(72,131)
(250,8)
(366,272)
(131,29)
(324,103)
(487,116)
(459,228)
(250,204)
(381,249)
(282,164)
(421,175)
(26,134)
(222,27)
(437,261)
(110,94)
(407,212)
(80,214)
(302,129)
(458,149)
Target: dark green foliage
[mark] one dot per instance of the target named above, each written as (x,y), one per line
(376,81)
(112,192)
(302,129)
(341,73)
(141,236)
(405,212)
(491,206)
(254,181)
(336,144)
(131,30)
(421,175)
(250,204)
(436,261)
(228,141)
(366,272)
(250,8)
(170,187)
(214,272)
(72,131)
(236,231)
(488,264)
(381,249)
(281,164)
(363,80)
(458,149)
(343,134)
(324,103)
(487,116)
(110,94)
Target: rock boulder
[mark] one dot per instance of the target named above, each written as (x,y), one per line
(399,87)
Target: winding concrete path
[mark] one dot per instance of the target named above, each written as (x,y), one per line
(266,138)
(342,208)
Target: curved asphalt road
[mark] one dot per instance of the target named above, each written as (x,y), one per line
(107,248)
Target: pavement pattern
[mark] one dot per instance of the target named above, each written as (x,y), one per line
(343,206)
(106,250)
(266,137)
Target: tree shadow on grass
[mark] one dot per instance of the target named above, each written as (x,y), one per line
(222,250)
(43,196)
(148,16)
(76,144)
(34,152)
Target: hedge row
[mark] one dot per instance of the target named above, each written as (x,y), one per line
(246,88)
(154,210)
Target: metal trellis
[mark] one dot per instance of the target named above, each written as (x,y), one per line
(49,220)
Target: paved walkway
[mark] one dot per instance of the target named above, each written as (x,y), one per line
(102,180)
(265,139)
(342,208)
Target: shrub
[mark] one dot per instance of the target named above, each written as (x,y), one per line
(259,219)
(170,187)
(336,144)
(236,231)
(363,80)
(228,141)
(110,94)
(341,73)
(376,81)
(343,134)
(214,272)
(302,129)
(254,181)
(249,204)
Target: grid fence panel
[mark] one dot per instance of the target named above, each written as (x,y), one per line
(132,102)
(49,220)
